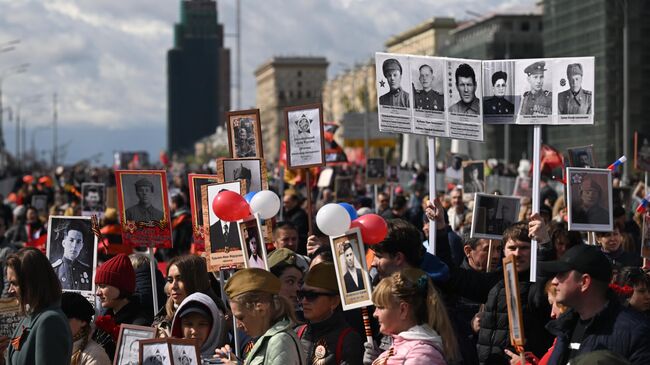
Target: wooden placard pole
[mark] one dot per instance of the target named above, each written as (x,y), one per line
(281,194)
(374,201)
(432,192)
(366,324)
(154,286)
(537,146)
(515,317)
(489,258)
(645,193)
(309,207)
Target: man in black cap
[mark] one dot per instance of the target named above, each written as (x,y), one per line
(466,85)
(537,101)
(427,98)
(395,96)
(575,100)
(144,211)
(498,104)
(596,320)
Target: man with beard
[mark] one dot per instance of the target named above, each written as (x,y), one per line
(466,86)
(576,100)
(498,104)
(587,209)
(427,98)
(395,96)
(537,101)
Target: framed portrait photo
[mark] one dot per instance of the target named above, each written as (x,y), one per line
(515,318)
(39,202)
(72,251)
(493,214)
(304,135)
(93,199)
(251,170)
(589,199)
(351,270)
(393,173)
(222,241)
(184,351)
(582,156)
(127,351)
(252,243)
(155,352)
(523,187)
(375,171)
(343,188)
(642,151)
(473,177)
(196,181)
(245,133)
(645,239)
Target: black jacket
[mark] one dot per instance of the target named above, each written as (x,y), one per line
(327,335)
(133,313)
(621,330)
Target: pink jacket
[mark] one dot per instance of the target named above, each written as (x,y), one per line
(419,345)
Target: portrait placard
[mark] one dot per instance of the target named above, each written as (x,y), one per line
(375,171)
(245,133)
(515,317)
(72,251)
(155,352)
(127,350)
(184,351)
(582,156)
(523,187)
(574,85)
(343,188)
(39,202)
(252,243)
(251,170)
(351,270)
(493,214)
(589,199)
(305,136)
(93,199)
(642,151)
(464,111)
(428,88)
(498,92)
(10,316)
(393,173)
(394,89)
(473,177)
(534,91)
(222,241)
(645,246)
(144,208)
(196,181)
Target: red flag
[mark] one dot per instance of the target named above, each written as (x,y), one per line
(283,154)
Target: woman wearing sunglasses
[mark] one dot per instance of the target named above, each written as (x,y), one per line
(411,311)
(326,338)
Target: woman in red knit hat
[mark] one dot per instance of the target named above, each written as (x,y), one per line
(115,281)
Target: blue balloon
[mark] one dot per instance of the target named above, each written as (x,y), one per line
(249,196)
(351,211)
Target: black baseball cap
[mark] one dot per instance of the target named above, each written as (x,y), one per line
(583,258)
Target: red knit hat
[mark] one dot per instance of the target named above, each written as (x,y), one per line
(117,272)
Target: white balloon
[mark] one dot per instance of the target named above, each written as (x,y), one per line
(265,203)
(333,220)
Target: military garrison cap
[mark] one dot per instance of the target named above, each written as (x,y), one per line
(391,64)
(282,256)
(535,68)
(248,280)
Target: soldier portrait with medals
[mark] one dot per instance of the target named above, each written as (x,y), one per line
(575,100)
(537,100)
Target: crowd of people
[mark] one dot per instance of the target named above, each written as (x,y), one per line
(590,301)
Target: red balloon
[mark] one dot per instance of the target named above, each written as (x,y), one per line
(373,228)
(230,206)
(28,179)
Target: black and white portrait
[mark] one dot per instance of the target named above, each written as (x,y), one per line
(493,214)
(642,151)
(589,196)
(128,344)
(249,170)
(343,188)
(427,75)
(72,251)
(184,351)
(375,170)
(463,99)
(498,92)
(245,133)
(576,85)
(394,92)
(93,199)
(39,202)
(397,95)
(222,234)
(464,95)
(143,197)
(196,182)
(581,156)
(473,176)
(351,269)
(252,243)
(393,173)
(155,352)
(305,143)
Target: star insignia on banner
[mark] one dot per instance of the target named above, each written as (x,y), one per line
(382,83)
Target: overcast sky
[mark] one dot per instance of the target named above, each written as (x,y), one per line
(107,59)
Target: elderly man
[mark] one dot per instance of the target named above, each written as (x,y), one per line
(466,86)
(144,211)
(498,104)
(588,209)
(576,100)
(73,273)
(537,101)
(427,98)
(395,96)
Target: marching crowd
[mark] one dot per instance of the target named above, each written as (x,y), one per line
(590,303)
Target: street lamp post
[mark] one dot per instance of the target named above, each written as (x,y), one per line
(3,76)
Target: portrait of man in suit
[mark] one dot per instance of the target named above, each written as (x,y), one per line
(223,234)
(353,274)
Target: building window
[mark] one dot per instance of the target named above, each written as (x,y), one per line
(525,26)
(291,94)
(299,83)
(299,73)
(299,94)
(308,94)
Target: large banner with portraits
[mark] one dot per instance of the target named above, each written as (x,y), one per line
(448,97)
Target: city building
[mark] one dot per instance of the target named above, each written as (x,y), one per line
(595,28)
(198,77)
(283,82)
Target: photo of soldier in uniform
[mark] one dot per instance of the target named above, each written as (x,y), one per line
(642,151)
(581,156)
(396,96)
(466,85)
(574,100)
(497,95)
(375,171)
(428,91)
(249,170)
(351,269)
(537,99)
(93,199)
(473,176)
(143,197)
(245,134)
(72,251)
(589,197)
(493,214)
(252,243)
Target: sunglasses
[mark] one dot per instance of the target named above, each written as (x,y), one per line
(312,295)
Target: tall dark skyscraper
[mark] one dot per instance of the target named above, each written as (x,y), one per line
(198,76)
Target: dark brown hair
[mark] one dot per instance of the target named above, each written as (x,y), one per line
(194,275)
(39,285)
(516,232)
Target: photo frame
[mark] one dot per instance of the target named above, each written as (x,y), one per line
(343,188)
(473,177)
(127,351)
(195,182)
(515,317)
(251,170)
(245,133)
(642,151)
(392,174)
(155,352)
(304,134)
(587,212)
(523,187)
(325,178)
(493,214)
(10,316)
(39,201)
(184,351)
(93,199)
(143,206)
(252,243)
(375,171)
(582,156)
(351,270)
(222,244)
(72,251)
(645,237)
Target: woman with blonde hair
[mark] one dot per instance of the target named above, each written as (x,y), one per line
(411,311)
